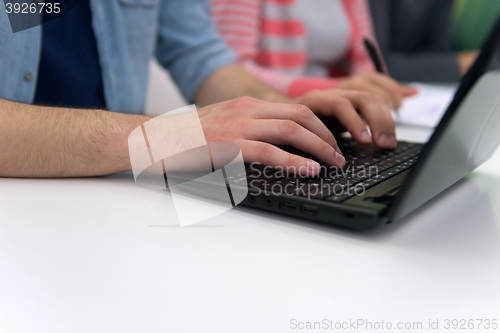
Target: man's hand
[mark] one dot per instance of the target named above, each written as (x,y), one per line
(338,108)
(381,85)
(254,124)
(348,110)
(258,126)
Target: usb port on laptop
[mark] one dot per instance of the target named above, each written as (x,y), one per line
(289,206)
(309,209)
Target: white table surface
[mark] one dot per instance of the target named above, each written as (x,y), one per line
(104,255)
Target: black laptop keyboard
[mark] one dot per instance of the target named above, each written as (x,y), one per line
(366,166)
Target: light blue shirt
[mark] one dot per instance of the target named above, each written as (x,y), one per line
(128,32)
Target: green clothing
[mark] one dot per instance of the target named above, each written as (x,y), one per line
(473,21)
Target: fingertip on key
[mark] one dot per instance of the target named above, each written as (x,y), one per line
(365,137)
(393,141)
(340,159)
(387,140)
(313,167)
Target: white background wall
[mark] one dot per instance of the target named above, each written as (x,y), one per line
(163,94)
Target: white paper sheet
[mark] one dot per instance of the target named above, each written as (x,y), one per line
(426,108)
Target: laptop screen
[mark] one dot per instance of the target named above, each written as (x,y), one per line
(464,139)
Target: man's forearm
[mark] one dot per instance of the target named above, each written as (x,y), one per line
(233,81)
(57,142)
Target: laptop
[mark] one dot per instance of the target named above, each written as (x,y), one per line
(380,186)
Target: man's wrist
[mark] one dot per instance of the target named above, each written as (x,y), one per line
(115,146)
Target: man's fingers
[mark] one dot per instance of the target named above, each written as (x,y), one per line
(298,113)
(288,132)
(267,154)
(378,116)
(340,107)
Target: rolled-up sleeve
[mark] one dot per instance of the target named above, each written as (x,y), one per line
(188,45)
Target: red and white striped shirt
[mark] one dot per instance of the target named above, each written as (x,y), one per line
(269,39)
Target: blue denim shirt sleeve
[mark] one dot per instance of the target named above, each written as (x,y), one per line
(188,45)
(127,33)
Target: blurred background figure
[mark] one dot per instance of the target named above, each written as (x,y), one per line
(415,37)
(429,40)
(296,46)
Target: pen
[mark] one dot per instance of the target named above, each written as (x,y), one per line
(374,56)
